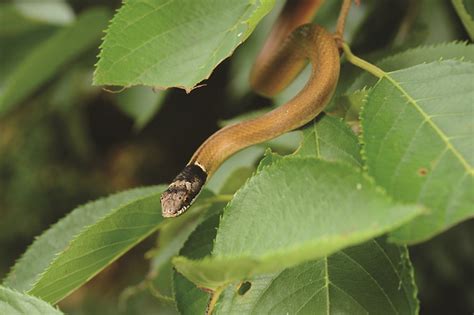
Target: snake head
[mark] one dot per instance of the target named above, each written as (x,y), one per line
(182,191)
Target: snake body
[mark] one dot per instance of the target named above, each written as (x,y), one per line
(308,42)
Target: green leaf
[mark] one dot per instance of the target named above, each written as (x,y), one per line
(174,43)
(237,179)
(190,299)
(268,159)
(330,139)
(14,23)
(417,132)
(173,233)
(348,107)
(469,6)
(465,17)
(140,104)
(55,240)
(52,11)
(171,237)
(71,90)
(431,22)
(47,59)
(244,57)
(244,158)
(372,278)
(301,218)
(15,303)
(16,48)
(416,56)
(99,245)
(22,16)
(376,275)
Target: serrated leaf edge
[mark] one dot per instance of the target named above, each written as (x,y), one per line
(60,221)
(84,230)
(187,88)
(30,297)
(296,250)
(428,119)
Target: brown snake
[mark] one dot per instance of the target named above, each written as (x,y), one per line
(278,64)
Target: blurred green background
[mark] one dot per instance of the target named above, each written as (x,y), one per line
(64,142)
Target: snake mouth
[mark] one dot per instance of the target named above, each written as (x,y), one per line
(182,191)
(169,211)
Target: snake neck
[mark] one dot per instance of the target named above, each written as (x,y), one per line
(183,190)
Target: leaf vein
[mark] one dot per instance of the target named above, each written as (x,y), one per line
(350,296)
(440,133)
(372,278)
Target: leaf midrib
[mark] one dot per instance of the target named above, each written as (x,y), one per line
(427,118)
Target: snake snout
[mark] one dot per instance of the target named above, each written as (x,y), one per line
(174,202)
(182,191)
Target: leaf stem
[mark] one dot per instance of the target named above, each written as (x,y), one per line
(361,63)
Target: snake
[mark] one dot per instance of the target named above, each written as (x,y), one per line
(287,51)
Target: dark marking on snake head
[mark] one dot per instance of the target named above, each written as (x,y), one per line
(182,191)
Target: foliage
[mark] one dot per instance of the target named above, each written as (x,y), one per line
(422,146)
(201,46)
(45,60)
(323,284)
(12,302)
(322,226)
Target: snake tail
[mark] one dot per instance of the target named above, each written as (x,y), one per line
(183,190)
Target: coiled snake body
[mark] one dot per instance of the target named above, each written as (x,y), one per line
(279,67)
